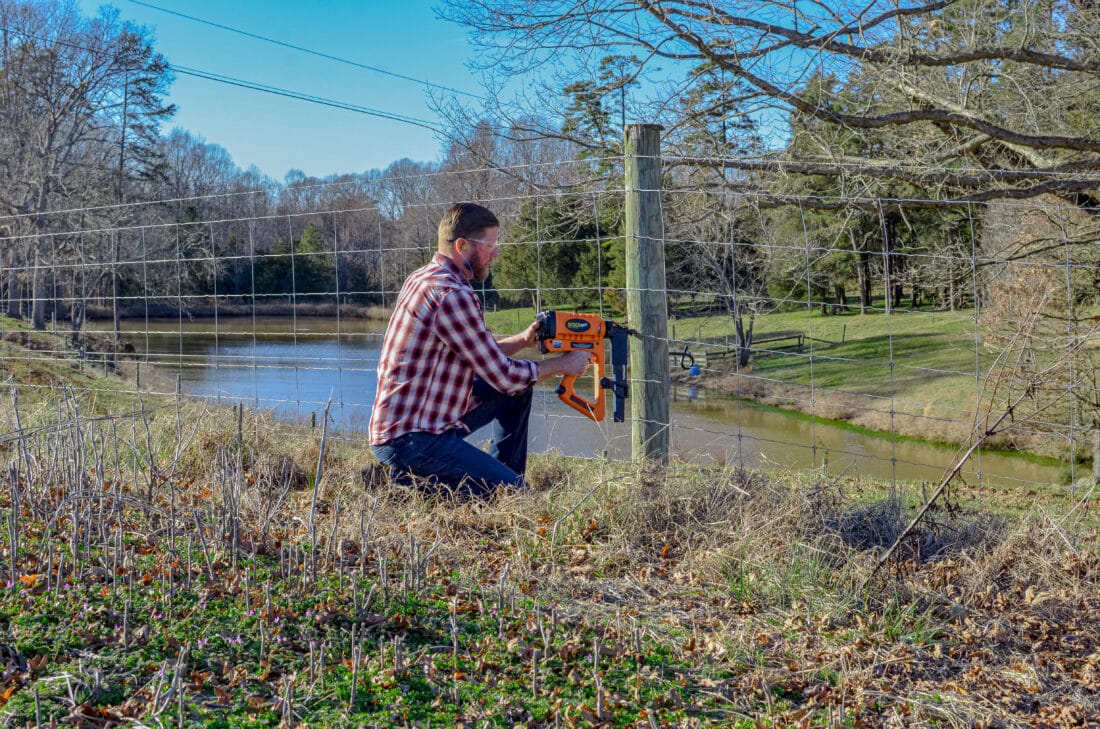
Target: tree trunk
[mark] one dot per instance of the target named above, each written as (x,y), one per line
(114,287)
(887,269)
(76,316)
(841,297)
(13,286)
(744,340)
(5,281)
(864,269)
(38,291)
(1096,454)
(11,307)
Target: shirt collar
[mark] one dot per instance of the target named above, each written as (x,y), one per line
(450,266)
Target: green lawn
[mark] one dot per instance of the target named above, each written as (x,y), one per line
(933,354)
(936,369)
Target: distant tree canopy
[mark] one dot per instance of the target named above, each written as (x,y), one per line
(569,252)
(301,267)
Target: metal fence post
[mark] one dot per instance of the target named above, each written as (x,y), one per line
(646,295)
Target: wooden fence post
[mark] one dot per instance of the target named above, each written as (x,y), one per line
(646,295)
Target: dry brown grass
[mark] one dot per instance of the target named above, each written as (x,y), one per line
(748,583)
(980,620)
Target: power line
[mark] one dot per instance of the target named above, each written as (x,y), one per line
(254,86)
(301,96)
(319,54)
(233,81)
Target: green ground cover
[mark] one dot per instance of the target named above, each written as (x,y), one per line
(181,565)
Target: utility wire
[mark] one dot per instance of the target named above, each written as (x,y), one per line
(310,51)
(233,81)
(301,96)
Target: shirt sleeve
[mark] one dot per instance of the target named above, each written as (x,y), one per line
(460,325)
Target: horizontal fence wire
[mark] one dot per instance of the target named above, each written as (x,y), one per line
(869,342)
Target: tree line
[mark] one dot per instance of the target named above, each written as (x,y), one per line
(902,127)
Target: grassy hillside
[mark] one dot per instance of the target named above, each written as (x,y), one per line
(38,366)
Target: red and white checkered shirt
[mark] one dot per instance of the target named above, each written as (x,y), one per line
(435,343)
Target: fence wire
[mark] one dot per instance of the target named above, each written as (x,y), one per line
(863,337)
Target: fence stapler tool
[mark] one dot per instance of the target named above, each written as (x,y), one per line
(562,332)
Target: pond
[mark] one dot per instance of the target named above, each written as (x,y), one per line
(294,367)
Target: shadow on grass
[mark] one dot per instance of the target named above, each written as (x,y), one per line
(878,525)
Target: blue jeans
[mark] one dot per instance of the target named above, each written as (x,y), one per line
(446,460)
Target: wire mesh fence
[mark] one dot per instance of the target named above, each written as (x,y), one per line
(860,335)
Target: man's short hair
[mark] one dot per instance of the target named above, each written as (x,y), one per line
(465,220)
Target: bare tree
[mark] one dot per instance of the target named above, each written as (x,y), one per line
(80,116)
(979,99)
(716,244)
(1040,313)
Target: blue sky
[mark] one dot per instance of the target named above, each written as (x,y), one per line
(279,134)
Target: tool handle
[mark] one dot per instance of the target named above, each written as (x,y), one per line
(590,408)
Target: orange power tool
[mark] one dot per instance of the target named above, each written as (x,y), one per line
(563,332)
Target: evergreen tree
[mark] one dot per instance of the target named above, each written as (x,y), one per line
(570,254)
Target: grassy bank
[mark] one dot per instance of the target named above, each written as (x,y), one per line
(922,374)
(182,565)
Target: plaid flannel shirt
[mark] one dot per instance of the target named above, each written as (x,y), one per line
(435,343)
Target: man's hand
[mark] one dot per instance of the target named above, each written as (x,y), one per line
(530,334)
(571,363)
(575,363)
(527,338)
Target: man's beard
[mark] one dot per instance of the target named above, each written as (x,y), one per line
(481,273)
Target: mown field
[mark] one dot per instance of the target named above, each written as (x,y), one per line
(168,564)
(935,354)
(925,374)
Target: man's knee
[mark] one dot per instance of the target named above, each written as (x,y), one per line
(378,475)
(520,403)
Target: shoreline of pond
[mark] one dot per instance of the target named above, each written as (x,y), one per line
(813,404)
(754,397)
(369,312)
(846,425)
